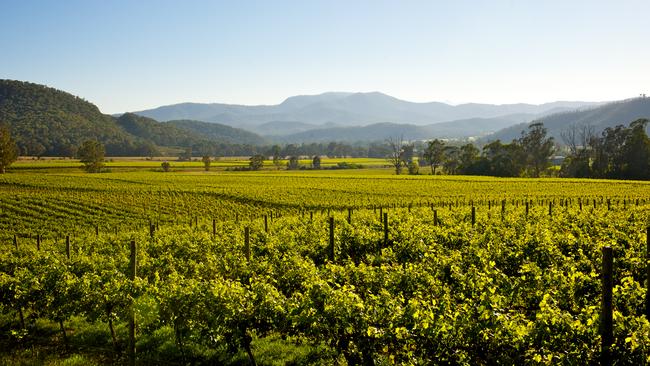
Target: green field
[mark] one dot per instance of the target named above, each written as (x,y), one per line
(131,163)
(520,285)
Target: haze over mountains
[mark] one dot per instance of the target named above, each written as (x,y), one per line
(607,115)
(328,112)
(47,121)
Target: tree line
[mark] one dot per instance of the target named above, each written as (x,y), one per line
(527,156)
(618,153)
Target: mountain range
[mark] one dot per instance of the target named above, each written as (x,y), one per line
(303,113)
(47,121)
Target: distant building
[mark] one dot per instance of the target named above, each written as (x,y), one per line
(557,159)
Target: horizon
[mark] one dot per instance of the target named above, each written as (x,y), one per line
(334,92)
(125,56)
(387,94)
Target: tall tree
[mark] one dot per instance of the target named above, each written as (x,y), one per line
(452,161)
(434,154)
(395,156)
(468,156)
(293,163)
(315,162)
(636,151)
(8,148)
(408,152)
(608,160)
(537,148)
(206,162)
(91,154)
(256,162)
(275,152)
(504,160)
(577,139)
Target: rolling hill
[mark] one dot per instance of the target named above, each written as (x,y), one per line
(459,129)
(217,132)
(608,115)
(280,128)
(161,134)
(47,121)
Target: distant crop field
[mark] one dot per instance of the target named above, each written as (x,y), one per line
(130,163)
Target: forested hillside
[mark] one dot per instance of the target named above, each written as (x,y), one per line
(47,121)
(218,132)
(161,134)
(608,115)
(381,131)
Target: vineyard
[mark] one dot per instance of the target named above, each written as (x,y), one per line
(322,268)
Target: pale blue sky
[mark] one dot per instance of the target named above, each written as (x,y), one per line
(136,54)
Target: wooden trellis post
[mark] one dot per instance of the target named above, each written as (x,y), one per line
(132,275)
(331,246)
(606,322)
